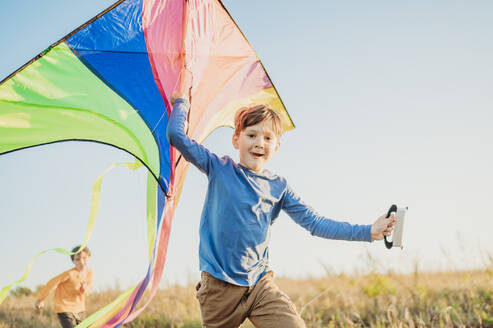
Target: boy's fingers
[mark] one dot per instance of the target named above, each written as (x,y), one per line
(391,220)
(388,228)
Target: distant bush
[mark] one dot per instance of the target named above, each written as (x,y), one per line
(378,284)
(21,291)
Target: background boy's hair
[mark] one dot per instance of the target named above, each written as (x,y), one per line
(251,115)
(76,248)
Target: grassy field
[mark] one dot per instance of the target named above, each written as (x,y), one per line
(443,299)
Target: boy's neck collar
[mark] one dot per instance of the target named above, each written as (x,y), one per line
(84,269)
(251,171)
(265,173)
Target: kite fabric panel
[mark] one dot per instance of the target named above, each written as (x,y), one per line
(110,81)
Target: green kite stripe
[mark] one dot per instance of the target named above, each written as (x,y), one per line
(57,98)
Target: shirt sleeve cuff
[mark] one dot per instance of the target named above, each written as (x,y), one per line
(182,101)
(367,233)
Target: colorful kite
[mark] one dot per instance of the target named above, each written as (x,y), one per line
(110,81)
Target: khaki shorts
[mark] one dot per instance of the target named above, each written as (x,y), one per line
(226,305)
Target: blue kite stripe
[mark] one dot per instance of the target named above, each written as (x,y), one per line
(113,47)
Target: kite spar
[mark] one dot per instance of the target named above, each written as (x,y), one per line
(109,81)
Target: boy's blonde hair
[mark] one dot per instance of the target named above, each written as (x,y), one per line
(248,116)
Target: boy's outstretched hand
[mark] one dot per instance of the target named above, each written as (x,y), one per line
(39,304)
(382,227)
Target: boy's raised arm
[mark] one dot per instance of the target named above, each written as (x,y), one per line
(191,150)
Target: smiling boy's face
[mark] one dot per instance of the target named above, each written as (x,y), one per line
(256,143)
(80,260)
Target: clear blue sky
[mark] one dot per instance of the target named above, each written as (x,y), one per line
(392,101)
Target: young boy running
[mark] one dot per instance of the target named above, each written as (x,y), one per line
(72,287)
(243,200)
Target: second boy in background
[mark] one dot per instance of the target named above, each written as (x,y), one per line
(71,288)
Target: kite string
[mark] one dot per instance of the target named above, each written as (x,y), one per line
(314,299)
(177,82)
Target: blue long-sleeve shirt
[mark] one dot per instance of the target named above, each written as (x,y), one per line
(241,206)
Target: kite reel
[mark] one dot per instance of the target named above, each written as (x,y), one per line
(400,215)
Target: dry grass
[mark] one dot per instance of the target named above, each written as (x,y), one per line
(444,299)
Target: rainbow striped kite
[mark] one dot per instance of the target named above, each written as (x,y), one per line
(110,81)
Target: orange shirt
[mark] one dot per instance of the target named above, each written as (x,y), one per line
(68,297)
